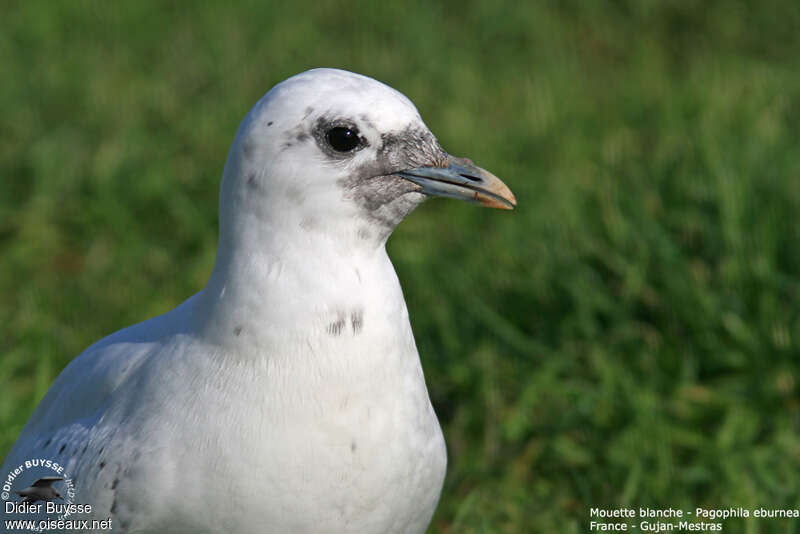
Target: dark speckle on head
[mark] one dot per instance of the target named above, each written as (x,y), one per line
(269,123)
(353,446)
(365,120)
(237,331)
(364,233)
(114,484)
(252,179)
(335,328)
(248,148)
(357,321)
(102,465)
(294,134)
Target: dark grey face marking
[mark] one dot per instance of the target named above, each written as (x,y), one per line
(364,233)
(357,321)
(335,328)
(384,196)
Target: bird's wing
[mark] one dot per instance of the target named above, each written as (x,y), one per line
(61,427)
(46,482)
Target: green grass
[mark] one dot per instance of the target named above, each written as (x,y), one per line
(629,336)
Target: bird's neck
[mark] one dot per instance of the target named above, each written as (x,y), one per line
(298,285)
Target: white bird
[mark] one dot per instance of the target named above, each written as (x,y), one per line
(287,395)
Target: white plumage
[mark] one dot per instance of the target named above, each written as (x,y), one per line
(286,396)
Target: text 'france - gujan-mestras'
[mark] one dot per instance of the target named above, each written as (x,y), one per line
(657,520)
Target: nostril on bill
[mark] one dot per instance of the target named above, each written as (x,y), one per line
(471,178)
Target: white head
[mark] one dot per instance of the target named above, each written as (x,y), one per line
(322,169)
(338,155)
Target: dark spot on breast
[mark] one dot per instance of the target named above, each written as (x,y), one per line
(237,331)
(252,179)
(101,451)
(335,328)
(269,123)
(114,505)
(353,446)
(114,484)
(309,223)
(47,443)
(295,194)
(357,321)
(84,448)
(102,465)
(63,446)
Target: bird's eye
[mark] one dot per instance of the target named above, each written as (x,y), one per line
(343,139)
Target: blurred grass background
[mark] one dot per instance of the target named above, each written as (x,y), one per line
(627,337)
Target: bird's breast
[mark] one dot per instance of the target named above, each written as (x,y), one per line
(339,432)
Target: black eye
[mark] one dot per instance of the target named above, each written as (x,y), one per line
(343,139)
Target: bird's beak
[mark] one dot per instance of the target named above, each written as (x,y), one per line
(463,180)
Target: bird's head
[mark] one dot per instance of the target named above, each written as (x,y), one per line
(332,151)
